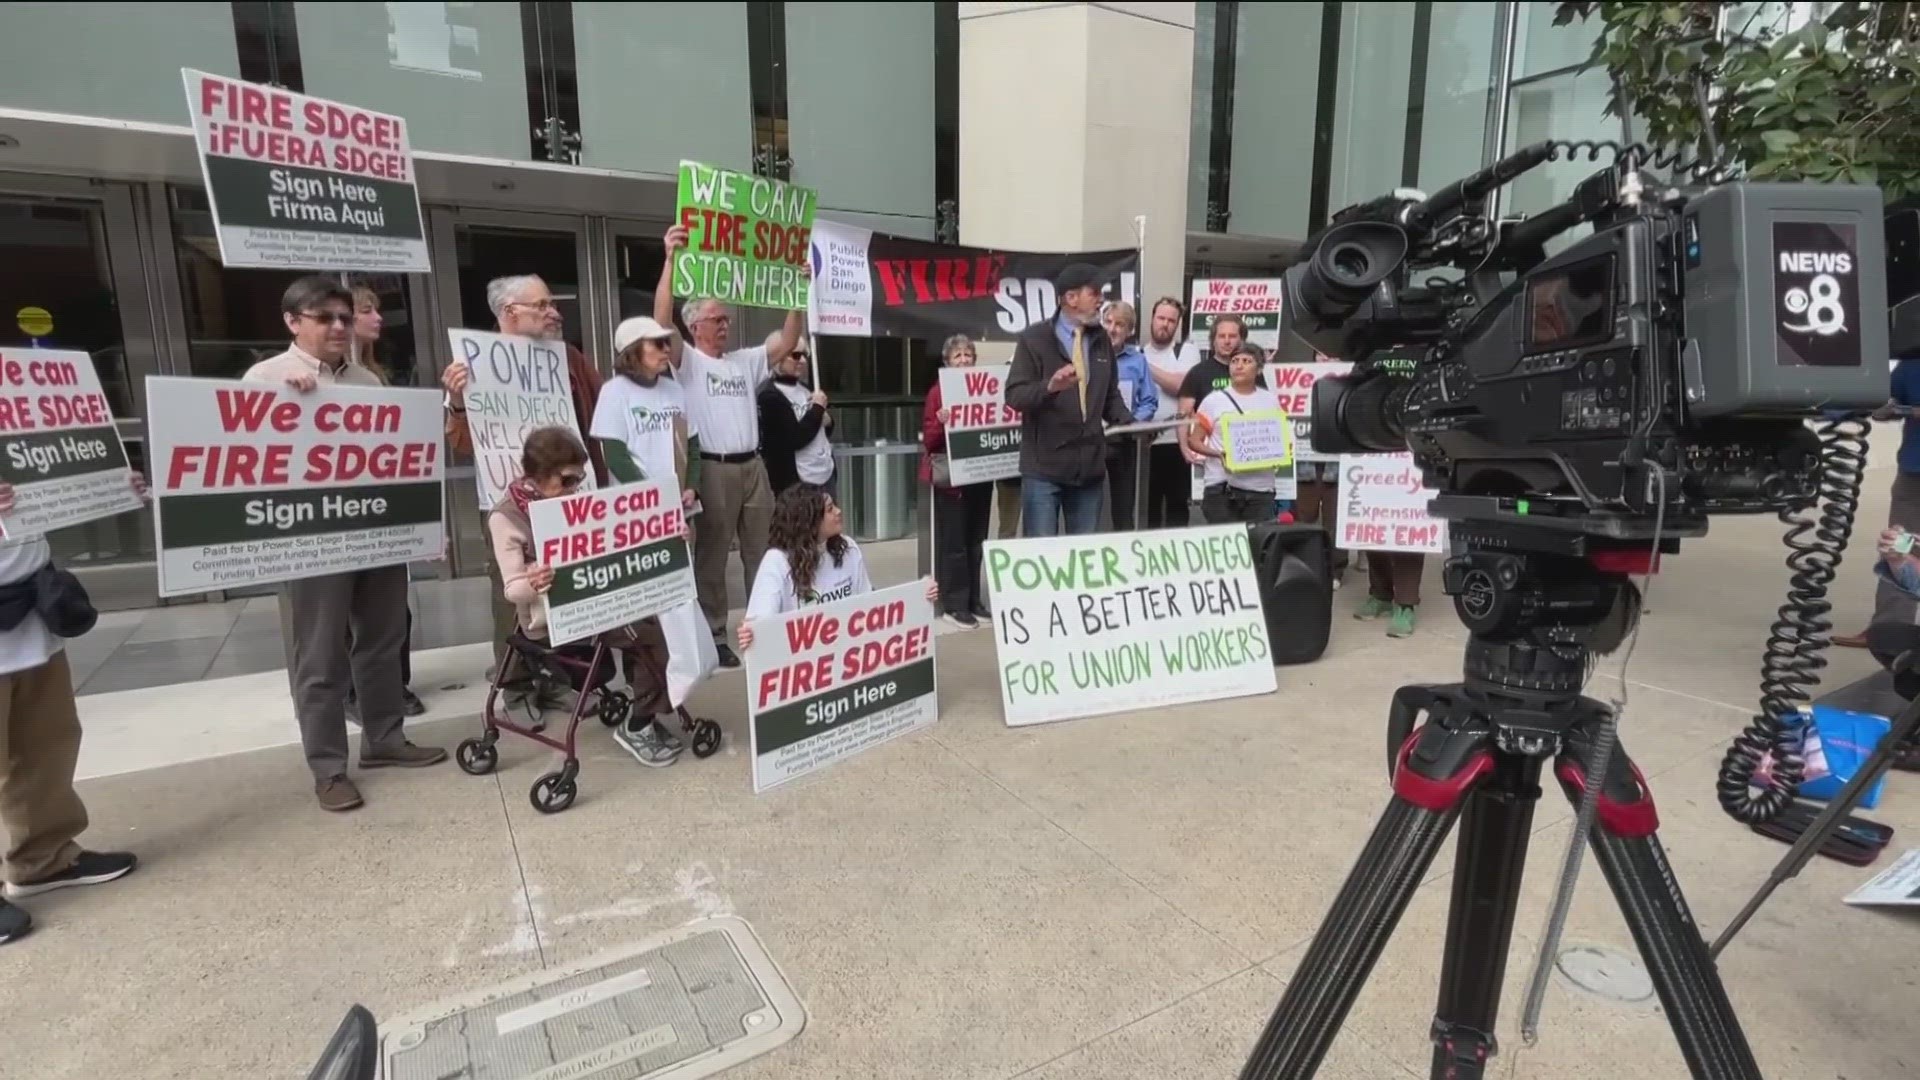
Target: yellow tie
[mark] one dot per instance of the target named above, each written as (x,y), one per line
(1080,369)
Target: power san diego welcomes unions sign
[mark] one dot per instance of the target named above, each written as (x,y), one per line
(1383,506)
(618,556)
(516,385)
(1087,625)
(299,182)
(983,433)
(827,682)
(256,483)
(58,445)
(746,238)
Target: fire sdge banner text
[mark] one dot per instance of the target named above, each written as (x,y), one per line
(1085,625)
(1255,300)
(618,556)
(1383,506)
(515,385)
(58,444)
(256,483)
(983,433)
(746,238)
(1294,385)
(299,182)
(869,284)
(827,682)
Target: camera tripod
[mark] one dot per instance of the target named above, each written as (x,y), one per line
(1536,620)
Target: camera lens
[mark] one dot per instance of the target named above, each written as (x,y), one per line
(1350,263)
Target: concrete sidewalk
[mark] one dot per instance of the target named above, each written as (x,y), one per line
(1108,898)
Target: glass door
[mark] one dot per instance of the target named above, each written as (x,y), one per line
(70,279)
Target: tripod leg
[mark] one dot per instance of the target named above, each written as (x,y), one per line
(1489,860)
(1438,767)
(1643,883)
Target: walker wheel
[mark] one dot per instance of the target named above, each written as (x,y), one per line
(706,738)
(614,707)
(553,792)
(476,757)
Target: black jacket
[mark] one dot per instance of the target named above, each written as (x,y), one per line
(782,434)
(1057,443)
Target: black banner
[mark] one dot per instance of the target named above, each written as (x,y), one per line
(817,714)
(230,516)
(264,196)
(57,455)
(869,284)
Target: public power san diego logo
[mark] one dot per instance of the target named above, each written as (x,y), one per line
(1816,294)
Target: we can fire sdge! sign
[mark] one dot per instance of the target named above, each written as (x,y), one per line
(618,556)
(1294,385)
(300,182)
(1383,506)
(256,483)
(829,681)
(983,433)
(59,447)
(747,238)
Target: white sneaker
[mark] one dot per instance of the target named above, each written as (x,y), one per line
(646,746)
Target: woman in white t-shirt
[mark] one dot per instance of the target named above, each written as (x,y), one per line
(1233,496)
(810,560)
(641,420)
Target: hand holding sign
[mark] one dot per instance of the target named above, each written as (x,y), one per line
(540,577)
(454,380)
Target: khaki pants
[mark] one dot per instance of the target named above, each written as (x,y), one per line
(736,503)
(39,749)
(1006,498)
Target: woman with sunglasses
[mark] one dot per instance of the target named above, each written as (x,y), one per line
(794,422)
(554,464)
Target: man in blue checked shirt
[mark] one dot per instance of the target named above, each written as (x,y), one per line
(1123,453)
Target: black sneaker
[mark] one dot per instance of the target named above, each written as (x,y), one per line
(963,620)
(981,610)
(14,923)
(91,868)
(727,659)
(411,704)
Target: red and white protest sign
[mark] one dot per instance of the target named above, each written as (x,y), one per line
(827,682)
(1255,300)
(618,556)
(1294,385)
(983,432)
(1383,506)
(300,182)
(59,447)
(256,483)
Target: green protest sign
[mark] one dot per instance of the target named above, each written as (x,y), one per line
(747,238)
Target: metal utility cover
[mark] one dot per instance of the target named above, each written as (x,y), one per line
(685,1004)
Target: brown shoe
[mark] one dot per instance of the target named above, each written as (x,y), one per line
(402,755)
(337,794)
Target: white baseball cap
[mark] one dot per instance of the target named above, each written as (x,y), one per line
(637,329)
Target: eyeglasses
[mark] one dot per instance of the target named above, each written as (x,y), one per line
(539,305)
(337,318)
(724,320)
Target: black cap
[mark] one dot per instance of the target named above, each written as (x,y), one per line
(1077,276)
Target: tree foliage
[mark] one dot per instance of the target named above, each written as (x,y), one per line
(1831,99)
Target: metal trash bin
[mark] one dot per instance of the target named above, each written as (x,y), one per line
(879,489)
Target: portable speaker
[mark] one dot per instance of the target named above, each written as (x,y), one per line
(1294,565)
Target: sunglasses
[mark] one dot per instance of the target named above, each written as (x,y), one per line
(797,354)
(572,479)
(337,318)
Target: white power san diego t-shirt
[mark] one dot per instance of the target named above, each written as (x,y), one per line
(720,397)
(642,417)
(773,592)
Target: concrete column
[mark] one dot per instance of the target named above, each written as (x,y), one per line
(1073,122)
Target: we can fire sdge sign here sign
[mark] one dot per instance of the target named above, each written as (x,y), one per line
(299,182)
(59,447)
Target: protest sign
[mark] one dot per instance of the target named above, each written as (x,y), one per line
(256,483)
(1085,625)
(617,555)
(869,284)
(983,433)
(298,182)
(746,238)
(515,386)
(1383,506)
(829,681)
(1256,441)
(1294,385)
(1255,300)
(58,444)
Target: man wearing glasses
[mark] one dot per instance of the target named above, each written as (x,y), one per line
(321,614)
(794,424)
(736,499)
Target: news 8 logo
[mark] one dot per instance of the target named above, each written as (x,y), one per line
(1816,294)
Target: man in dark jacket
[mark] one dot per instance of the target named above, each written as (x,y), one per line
(1066,387)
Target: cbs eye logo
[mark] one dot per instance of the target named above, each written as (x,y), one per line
(1819,303)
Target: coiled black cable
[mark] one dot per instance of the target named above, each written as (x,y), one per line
(1817,533)
(1642,157)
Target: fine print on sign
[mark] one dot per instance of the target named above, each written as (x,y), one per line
(983,433)
(746,238)
(1383,506)
(827,682)
(1087,625)
(1257,441)
(515,385)
(618,556)
(1255,300)
(59,447)
(299,182)
(1293,383)
(256,483)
